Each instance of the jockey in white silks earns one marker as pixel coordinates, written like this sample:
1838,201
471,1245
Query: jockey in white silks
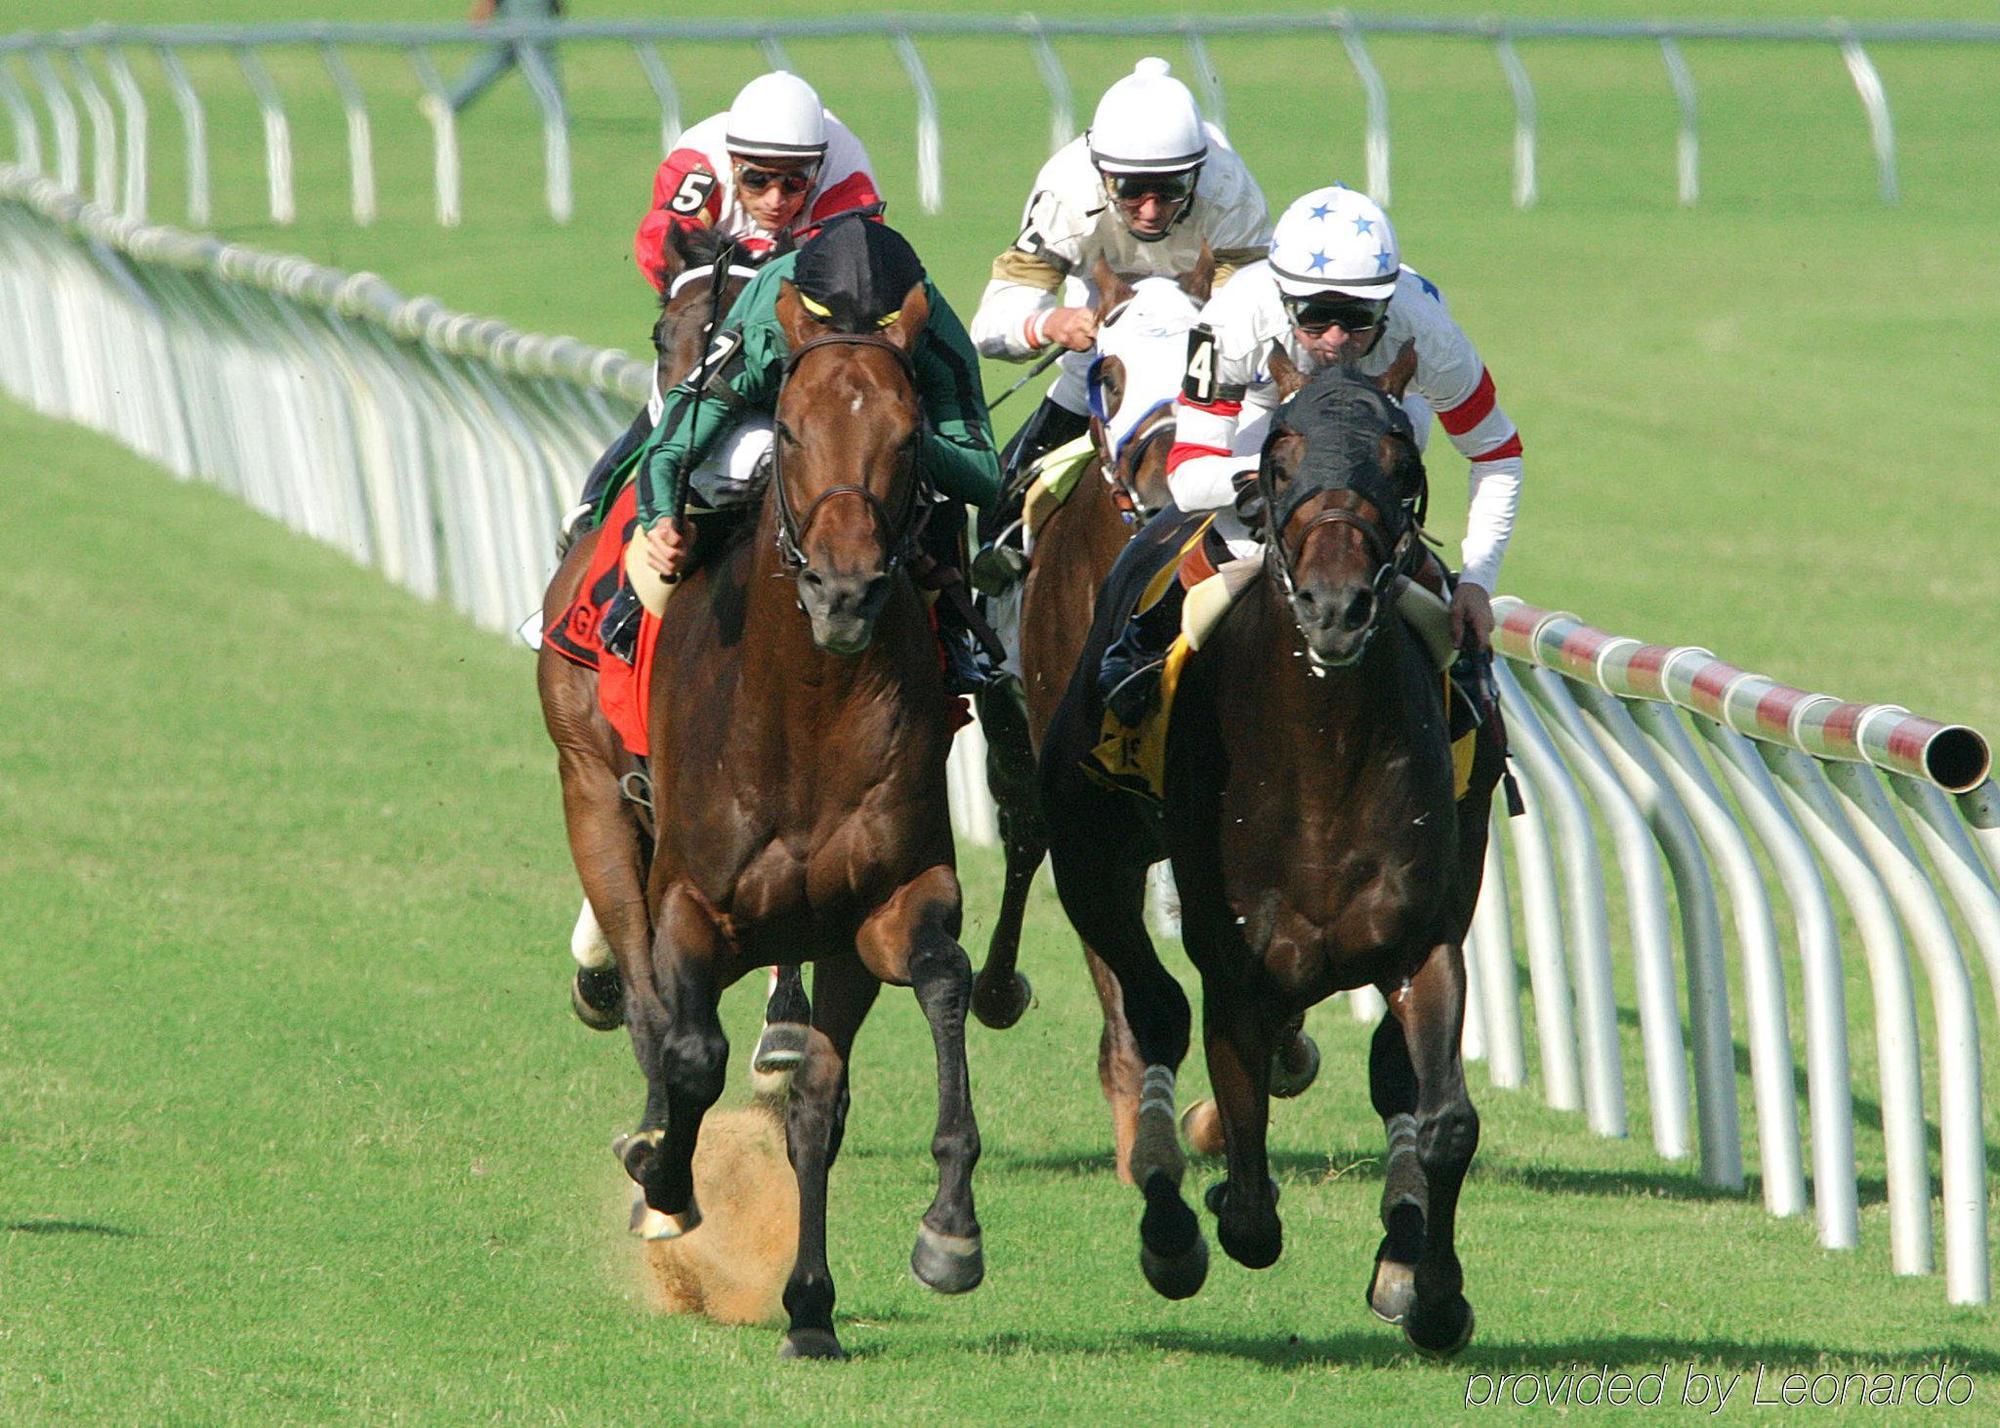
1147,188
1334,289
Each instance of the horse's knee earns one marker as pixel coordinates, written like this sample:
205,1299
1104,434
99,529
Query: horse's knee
1449,1138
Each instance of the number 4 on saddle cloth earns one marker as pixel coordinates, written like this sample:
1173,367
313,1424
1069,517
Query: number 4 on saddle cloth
1170,589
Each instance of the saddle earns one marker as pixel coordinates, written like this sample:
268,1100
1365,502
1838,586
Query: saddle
623,690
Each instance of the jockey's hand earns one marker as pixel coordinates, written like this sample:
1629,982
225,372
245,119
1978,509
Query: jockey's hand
1471,613
669,544
1072,327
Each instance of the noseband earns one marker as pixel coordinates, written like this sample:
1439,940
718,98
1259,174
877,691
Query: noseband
900,530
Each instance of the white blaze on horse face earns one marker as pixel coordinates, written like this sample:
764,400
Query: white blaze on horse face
854,406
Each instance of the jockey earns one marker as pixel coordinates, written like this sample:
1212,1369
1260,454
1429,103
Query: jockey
1333,290
773,168
1146,188
857,272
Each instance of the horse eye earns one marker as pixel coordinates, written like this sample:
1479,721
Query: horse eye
785,434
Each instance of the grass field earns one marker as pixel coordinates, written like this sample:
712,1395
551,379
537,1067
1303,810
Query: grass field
296,1126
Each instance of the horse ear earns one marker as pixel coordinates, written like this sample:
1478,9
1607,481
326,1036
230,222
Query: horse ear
1285,372
1199,281
674,251
1111,382
1396,380
1111,289
798,325
910,319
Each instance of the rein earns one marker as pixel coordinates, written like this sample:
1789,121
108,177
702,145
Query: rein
900,531
688,275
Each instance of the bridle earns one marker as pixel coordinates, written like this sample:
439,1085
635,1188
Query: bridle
901,528
1129,454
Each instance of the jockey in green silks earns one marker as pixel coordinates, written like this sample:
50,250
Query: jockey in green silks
852,276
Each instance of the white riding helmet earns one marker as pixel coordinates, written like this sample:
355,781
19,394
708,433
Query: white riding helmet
1147,123
777,116
1335,240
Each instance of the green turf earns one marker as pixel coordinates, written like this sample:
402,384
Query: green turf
295,1124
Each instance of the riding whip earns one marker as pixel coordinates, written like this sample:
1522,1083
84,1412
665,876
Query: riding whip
1033,372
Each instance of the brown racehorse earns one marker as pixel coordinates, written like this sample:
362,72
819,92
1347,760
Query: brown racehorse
1313,832
799,731
607,840
1074,550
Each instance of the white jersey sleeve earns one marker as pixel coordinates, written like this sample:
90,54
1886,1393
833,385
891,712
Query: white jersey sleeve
1227,395
1027,278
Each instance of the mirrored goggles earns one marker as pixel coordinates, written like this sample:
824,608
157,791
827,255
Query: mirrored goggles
1135,188
1314,315
789,181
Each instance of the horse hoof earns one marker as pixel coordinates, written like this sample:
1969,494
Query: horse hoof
1253,1247
811,1344
782,1047
633,1149
1201,1128
1294,1067
1172,1253
949,1264
1440,1335
598,998
1002,1008
1176,1276
1392,1289
651,1224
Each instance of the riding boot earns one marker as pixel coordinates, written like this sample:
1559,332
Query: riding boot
1002,560
968,670
597,485
619,631
1128,678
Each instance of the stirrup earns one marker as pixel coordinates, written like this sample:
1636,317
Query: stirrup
1135,696
573,525
999,567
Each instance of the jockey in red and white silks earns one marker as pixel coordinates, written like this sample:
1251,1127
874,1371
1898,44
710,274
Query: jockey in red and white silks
777,162
1335,289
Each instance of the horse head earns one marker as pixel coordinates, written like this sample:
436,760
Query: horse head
704,273
1342,486
1142,355
846,479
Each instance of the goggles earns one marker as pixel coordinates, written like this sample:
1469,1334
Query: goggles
1315,314
1135,188
791,182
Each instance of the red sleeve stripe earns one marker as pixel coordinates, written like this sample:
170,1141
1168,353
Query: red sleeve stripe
1510,447
1188,451
1469,413
857,190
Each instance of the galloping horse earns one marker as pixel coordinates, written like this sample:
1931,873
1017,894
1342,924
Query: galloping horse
607,841
1313,832
1142,336
799,731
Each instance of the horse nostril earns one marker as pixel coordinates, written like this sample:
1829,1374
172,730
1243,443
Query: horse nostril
1360,610
812,577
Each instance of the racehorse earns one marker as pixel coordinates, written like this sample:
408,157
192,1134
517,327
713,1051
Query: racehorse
799,728
609,841
1311,823
1142,341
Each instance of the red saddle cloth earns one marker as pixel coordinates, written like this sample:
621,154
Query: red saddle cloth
624,690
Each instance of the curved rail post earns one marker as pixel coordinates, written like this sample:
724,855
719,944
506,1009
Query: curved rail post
444,132
664,90
1688,149
1472,1026
1646,908
1541,915
1874,99
27,133
277,135
1967,1277
1955,857
1378,104
1506,1059
103,131
1062,112
194,126
1813,803
133,102
62,113
555,129
1587,922
1214,103
1781,1162
774,52
930,145
1523,91
1659,803
360,152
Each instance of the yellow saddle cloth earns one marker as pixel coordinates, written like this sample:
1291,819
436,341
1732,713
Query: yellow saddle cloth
1056,472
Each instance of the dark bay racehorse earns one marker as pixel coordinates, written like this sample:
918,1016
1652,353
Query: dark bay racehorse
1313,833
799,731
1074,550
608,842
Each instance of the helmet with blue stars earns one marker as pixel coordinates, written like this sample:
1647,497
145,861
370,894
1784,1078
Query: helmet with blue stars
1335,240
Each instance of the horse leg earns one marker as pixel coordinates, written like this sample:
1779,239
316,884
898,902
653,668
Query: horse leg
1245,1203
913,938
782,1044
815,1123
605,846
1000,993
1119,1069
1447,1133
1392,1085
684,1054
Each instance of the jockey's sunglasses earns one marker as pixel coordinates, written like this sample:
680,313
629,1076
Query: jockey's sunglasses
1135,188
789,181
1314,315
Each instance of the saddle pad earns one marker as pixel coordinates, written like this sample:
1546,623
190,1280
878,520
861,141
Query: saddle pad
1056,473
623,690
1135,758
